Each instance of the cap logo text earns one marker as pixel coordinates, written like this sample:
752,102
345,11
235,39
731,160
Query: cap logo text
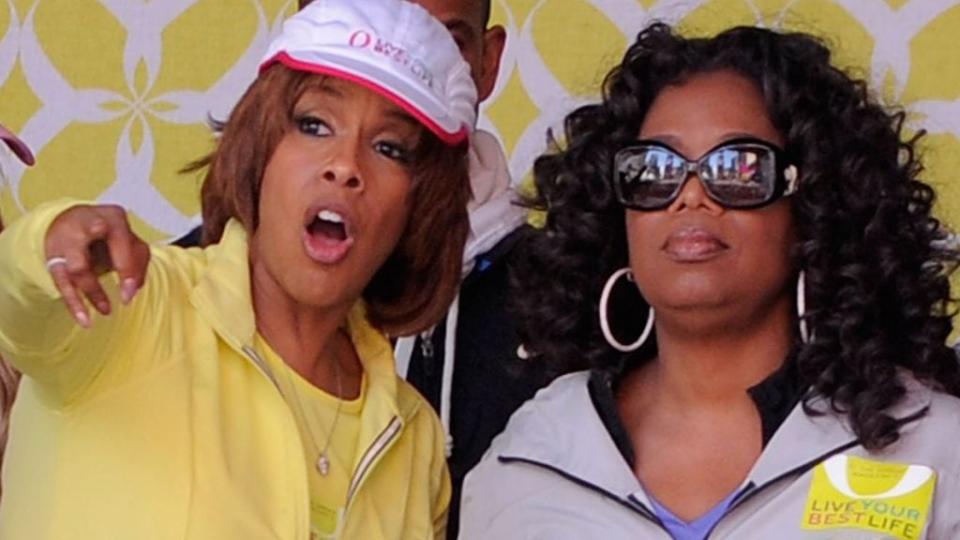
362,39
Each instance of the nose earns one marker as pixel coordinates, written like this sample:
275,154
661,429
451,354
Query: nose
343,165
693,196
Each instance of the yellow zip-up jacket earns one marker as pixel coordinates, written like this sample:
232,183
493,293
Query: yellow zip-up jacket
160,423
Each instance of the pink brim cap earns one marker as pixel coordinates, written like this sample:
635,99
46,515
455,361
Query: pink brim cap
393,48
450,138
18,147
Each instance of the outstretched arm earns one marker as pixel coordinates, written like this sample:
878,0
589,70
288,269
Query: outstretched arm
53,263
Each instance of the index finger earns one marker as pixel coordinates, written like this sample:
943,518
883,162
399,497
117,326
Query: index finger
71,298
128,254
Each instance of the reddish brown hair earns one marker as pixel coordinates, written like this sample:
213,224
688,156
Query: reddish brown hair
414,287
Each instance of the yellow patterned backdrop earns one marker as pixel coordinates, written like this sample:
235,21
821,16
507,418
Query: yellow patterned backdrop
114,94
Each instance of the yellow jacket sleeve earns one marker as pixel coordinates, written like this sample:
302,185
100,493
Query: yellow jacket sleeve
37,333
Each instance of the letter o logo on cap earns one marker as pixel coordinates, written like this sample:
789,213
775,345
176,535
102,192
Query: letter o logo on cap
360,39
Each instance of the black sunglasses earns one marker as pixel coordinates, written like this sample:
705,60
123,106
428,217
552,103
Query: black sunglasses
741,173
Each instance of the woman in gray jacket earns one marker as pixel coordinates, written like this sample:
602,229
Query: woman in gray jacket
740,258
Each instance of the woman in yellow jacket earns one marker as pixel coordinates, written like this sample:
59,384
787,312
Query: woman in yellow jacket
246,390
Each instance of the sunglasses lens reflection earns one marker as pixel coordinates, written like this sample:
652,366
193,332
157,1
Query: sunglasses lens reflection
650,177
739,176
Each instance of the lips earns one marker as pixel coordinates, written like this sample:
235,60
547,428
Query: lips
693,244
328,233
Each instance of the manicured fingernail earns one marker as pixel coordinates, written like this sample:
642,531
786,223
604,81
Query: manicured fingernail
82,318
127,290
103,307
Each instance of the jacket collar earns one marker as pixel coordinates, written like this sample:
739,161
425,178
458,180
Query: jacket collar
804,439
222,294
223,297
561,430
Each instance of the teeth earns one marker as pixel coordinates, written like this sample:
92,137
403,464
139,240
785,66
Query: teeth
330,215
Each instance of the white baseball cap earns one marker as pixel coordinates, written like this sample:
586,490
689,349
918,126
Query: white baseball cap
18,147
393,47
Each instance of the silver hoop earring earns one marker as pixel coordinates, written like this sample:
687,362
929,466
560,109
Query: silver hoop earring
605,324
802,308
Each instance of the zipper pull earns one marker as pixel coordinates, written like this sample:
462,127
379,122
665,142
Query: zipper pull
426,344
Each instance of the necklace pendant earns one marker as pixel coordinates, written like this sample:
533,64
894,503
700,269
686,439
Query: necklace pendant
323,464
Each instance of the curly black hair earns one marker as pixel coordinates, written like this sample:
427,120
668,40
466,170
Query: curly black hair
877,263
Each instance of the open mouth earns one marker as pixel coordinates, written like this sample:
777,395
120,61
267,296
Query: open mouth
327,236
328,224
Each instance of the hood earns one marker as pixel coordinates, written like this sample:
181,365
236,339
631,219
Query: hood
493,214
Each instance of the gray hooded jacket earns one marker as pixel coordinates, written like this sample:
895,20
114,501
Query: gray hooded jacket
555,473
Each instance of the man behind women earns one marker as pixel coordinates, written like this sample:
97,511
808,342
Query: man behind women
467,365
790,378
246,390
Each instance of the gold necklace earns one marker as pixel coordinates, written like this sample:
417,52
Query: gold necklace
322,463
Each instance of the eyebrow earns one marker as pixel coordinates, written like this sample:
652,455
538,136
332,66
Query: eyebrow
395,113
676,143
329,89
402,116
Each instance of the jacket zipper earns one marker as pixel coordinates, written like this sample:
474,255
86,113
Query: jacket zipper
265,371
252,355
370,457
631,502
750,493
750,490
